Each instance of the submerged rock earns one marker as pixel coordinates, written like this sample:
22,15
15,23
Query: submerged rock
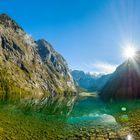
94,119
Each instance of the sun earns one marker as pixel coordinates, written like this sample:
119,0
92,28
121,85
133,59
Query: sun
129,52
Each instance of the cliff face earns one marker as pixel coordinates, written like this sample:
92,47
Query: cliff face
56,63
27,72
124,82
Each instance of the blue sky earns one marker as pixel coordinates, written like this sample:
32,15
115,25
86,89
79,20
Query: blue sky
90,34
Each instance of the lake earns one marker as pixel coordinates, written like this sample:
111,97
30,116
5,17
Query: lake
85,117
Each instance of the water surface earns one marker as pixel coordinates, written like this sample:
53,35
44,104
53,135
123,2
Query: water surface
85,117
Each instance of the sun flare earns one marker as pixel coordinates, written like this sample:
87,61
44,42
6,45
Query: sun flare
129,52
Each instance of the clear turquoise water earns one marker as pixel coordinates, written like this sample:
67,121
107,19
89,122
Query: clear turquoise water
70,118
99,112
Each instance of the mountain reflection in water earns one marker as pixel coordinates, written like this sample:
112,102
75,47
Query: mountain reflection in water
85,117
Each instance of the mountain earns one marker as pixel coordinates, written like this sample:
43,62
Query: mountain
28,68
89,82
53,60
83,80
124,82
100,82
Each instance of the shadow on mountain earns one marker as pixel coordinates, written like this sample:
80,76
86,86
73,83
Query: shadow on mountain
124,82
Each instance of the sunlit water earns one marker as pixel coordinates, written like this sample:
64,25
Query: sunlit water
91,109
118,120
72,118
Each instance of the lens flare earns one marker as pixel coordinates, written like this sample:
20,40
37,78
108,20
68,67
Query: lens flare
129,52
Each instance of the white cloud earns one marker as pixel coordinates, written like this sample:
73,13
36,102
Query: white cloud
101,67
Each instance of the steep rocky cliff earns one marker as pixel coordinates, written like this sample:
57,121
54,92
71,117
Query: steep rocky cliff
27,72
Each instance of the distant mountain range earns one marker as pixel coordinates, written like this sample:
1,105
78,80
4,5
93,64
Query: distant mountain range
28,68
124,83
89,82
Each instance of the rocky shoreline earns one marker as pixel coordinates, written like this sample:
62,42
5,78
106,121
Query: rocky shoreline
17,126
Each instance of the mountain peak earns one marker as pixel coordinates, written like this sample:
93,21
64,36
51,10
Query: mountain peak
26,71
6,21
124,82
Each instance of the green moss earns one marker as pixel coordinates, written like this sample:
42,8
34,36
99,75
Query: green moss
9,90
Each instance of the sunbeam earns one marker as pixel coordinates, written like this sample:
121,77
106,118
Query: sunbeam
129,52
